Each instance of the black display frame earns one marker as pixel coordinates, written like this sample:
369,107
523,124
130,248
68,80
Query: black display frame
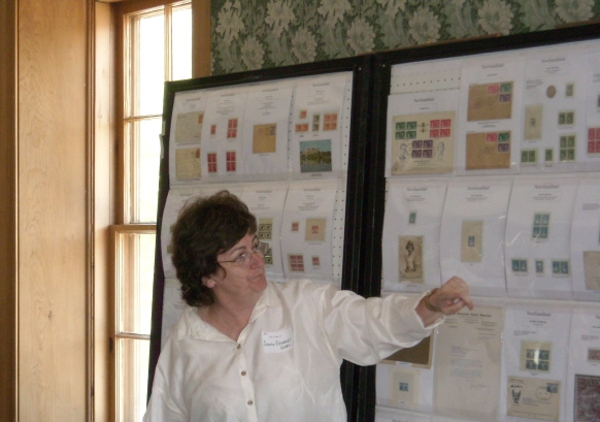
365,188
376,179
358,157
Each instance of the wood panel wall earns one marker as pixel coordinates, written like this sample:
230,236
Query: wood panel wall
201,31
53,217
52,210
8,257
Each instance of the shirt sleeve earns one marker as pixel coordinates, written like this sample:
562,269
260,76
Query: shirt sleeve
365,331
161,406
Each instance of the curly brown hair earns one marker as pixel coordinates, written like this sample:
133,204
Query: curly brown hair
205,228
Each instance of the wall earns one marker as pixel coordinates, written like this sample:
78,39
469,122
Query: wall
249,35
44,216
8,258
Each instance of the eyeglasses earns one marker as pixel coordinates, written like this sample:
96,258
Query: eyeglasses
261,249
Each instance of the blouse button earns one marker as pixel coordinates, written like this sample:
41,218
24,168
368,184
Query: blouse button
250,402
243,373
239,346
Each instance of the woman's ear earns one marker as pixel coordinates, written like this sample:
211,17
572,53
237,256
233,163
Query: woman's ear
208,282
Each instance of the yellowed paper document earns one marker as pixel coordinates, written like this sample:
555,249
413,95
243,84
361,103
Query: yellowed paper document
423,143
533,122
187,163
264,139
315,229
490,101
591,268
467,362
488,150
533,398
471,241
189,127
410,258
404,387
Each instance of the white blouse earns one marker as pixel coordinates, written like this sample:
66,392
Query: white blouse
285,364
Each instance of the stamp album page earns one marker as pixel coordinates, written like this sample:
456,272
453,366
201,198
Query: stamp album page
592,141
319,125
534,361
265,130
306,230
537,238
421,133
585,240
489,122
554,110
221,143
186,132
410,239
583,378
467,373
403,384
472,234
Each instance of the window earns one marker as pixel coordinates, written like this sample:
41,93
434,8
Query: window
156,47
134,248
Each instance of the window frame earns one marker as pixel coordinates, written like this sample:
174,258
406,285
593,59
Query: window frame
124,174
118,336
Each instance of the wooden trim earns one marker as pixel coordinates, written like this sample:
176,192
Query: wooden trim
125,7
90,210
118,71
104,171
133,336
8,214
133,228
201,41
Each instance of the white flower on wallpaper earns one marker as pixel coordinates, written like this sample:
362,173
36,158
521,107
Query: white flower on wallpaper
574,10
390,18
391,7
424,26
536,15
333,11
361,36
279,16
495,17
230,21
304,46
252,54
459,19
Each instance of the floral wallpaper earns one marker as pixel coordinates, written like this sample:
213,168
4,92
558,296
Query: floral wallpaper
258,34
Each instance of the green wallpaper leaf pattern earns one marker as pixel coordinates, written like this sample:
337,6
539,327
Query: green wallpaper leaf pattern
258,34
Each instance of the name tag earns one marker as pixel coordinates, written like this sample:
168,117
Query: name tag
277,341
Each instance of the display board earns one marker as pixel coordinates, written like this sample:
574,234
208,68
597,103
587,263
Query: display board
487,167
392,172
291,143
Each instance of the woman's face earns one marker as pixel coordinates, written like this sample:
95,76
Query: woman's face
242,280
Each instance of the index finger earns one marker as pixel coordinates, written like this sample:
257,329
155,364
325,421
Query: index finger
466,298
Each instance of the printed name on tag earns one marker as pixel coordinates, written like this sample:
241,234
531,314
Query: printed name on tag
278,341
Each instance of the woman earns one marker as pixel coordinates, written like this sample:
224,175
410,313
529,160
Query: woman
251,350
